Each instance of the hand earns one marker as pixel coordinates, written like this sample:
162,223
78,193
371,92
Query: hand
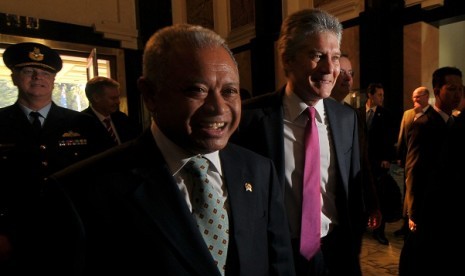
385,164
412,225
374,219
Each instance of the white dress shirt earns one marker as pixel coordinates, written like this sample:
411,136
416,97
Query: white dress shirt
295,121
177,158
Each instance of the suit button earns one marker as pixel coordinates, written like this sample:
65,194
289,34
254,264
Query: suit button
44,163
43,147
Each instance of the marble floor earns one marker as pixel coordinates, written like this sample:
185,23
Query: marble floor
379,260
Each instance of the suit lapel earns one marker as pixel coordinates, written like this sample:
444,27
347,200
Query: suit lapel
272,123
160,198
337,127
241,201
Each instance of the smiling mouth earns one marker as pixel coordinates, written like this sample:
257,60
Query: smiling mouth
214,126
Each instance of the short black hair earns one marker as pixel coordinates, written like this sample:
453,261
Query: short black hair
439,76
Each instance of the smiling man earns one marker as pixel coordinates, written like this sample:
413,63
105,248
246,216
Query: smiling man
137,205
37,138
274,125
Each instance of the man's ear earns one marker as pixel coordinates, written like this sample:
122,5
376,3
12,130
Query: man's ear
285,60
148,89
14,78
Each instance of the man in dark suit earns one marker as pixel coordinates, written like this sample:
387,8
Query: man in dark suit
104,99
425,192
273,125
135,207
380,146
340,91
37,138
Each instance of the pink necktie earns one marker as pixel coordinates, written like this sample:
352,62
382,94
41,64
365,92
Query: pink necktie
311,206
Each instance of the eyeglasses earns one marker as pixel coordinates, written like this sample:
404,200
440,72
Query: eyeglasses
29,72
349,72
418,96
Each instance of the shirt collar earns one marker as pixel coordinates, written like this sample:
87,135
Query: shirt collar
176,157
43,111
99,115
372,108
295,107
443,115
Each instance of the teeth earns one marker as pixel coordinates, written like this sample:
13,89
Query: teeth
216,125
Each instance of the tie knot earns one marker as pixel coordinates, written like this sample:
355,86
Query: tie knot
198,166
450,121
311,112
35,114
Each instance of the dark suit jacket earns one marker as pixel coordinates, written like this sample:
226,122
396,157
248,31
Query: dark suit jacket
126,128
370,196
133,220
446,190
261,130
380,138
427,135
434,177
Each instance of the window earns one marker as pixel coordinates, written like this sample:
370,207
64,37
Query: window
70,82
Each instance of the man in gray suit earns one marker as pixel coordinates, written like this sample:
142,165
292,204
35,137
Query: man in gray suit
273,125
134,209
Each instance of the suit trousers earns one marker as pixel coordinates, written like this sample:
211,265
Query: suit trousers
336,257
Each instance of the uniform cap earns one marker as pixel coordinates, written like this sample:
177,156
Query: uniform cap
32,54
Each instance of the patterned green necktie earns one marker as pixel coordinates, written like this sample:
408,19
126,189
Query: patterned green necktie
208,209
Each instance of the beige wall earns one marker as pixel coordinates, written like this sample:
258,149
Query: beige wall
115,19
421,58
452,45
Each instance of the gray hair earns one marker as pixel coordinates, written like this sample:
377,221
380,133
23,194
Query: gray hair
297,27
156,58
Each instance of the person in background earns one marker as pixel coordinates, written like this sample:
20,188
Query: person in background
340,91
344,81
380,145
136,203
274,125
104,99
37,138
446,190
460,108
426,192
420,98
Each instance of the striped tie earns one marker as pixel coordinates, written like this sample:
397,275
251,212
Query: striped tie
107,122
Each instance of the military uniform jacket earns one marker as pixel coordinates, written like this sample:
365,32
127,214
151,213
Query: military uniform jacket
67,136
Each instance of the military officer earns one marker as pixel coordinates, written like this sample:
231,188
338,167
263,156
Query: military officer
37,138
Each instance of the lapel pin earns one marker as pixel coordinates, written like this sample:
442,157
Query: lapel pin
248,187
